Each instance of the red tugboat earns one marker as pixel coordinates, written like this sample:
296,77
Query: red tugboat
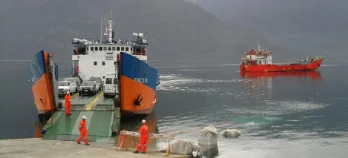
261,61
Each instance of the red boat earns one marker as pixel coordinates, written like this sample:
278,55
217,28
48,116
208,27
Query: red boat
261,61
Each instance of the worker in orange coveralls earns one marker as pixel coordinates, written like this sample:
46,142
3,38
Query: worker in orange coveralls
67,99
83,131
144,136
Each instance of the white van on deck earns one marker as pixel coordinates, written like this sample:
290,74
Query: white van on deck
110,84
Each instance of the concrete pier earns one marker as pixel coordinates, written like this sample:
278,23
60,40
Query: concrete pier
36,147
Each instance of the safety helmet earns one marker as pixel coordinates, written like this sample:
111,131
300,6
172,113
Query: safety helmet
84,117
143,121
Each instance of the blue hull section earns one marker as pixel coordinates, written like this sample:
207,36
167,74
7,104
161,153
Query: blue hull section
37,67
138,70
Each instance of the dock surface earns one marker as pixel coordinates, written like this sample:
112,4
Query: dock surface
36,147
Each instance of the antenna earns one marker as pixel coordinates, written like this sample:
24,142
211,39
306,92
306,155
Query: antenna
101,29
101,26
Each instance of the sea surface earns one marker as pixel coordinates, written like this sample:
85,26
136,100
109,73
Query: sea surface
280,115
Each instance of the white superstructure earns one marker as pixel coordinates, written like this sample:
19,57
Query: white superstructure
96,58
259,57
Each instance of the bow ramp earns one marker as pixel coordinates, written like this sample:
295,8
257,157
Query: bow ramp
102,119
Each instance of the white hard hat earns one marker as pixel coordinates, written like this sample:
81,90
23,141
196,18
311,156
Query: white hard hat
67,92
143,121
84,117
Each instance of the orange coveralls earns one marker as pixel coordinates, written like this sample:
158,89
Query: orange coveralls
67,99
144,136
83,132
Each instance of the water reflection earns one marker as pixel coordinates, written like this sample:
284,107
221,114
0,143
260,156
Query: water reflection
261,83
315,75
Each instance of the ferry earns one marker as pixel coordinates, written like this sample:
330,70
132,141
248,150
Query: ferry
260,60
122,67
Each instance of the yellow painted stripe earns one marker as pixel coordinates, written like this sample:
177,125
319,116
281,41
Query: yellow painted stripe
89,106
74,95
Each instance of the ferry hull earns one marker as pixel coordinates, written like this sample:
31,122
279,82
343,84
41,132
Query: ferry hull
137,86
282,68
42,88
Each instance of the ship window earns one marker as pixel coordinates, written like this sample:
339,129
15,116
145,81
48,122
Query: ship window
104,48
109,48
122,48
96,48
103,63
92,48
95,63
118,48
131,49
115,81
115,63
113,49
87,48
100,48
127,49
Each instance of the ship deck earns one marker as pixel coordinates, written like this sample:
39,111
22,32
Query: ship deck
101,115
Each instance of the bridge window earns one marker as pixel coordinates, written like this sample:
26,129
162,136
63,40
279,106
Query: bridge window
109,48
113,49
96,48
127,49
100,48
92,48
118,48
104,48
95,63
122,48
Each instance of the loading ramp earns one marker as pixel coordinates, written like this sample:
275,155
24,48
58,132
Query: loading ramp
102,119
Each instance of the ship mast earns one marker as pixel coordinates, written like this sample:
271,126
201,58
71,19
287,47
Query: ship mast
110,32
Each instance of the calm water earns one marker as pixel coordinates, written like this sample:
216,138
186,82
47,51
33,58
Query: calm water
297,115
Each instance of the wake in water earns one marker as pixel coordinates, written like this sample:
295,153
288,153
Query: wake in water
175,82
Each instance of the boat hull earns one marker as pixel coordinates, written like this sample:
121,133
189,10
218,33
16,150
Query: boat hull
315,64
42,82
137,86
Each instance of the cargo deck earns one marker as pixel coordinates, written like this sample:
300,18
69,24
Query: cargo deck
102,119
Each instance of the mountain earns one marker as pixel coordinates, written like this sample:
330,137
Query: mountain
316,27
177,31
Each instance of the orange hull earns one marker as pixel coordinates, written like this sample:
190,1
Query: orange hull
130,91
281,68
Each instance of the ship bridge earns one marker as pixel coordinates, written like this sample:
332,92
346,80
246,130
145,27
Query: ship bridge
95,58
